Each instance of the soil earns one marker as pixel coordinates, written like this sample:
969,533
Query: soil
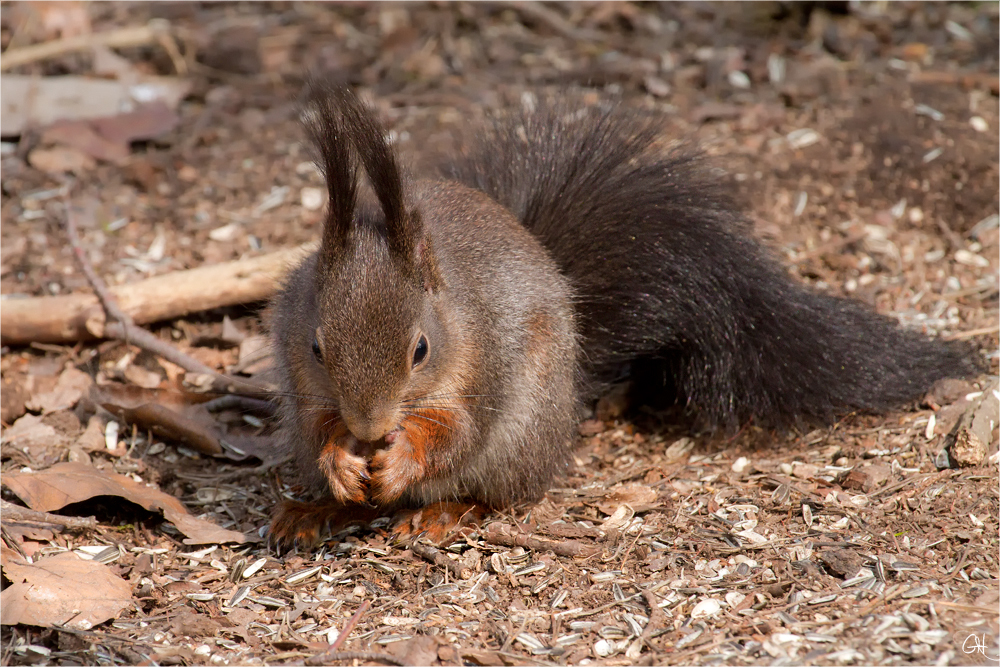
860,137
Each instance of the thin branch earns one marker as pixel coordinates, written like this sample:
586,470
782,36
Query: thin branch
155,31
334,653
125,329
438,558
16,513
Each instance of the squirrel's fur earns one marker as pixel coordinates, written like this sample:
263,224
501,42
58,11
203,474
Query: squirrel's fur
668,278
437,345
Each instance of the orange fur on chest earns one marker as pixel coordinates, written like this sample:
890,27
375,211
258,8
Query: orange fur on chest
428,430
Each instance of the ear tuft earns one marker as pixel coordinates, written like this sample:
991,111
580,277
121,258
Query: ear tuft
347,132
325,124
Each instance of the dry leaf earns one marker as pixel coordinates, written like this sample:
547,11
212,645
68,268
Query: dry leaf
146,122
92,439
637,496
47,20
619,520
62,589
29,432
70,387
165,413
13,395
60,160
30,101
66,483
81,135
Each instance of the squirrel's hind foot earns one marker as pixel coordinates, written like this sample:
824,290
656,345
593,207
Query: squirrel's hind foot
438,522
302,525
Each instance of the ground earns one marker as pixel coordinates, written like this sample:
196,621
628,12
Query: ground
861,138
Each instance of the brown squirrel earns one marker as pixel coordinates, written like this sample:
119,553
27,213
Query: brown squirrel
436,348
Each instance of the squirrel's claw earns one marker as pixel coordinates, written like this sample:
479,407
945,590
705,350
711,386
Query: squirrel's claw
346,474
436,522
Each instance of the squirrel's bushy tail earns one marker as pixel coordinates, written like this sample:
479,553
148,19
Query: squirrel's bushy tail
670,281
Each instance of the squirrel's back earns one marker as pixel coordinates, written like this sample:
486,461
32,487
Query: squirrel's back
670,284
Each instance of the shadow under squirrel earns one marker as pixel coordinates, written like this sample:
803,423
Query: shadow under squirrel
436,348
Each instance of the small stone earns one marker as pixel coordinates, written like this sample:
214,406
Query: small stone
968,449
224,233
656,86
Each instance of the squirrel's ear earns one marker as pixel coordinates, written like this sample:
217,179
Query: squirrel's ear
325,123
403,228
423,258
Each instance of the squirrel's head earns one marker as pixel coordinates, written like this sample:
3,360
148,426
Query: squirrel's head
381,335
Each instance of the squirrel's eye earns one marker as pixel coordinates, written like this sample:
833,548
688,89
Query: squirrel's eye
420,351
317,352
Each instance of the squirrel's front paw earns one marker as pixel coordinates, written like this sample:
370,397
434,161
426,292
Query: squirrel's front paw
346,473
395,469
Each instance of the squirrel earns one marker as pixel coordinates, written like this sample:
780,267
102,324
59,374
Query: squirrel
436,350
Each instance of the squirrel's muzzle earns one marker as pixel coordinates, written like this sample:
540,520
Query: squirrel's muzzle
377,431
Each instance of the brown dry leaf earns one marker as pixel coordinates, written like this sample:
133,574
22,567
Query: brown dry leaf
255,355
29,432
13,395
142,377
92,439
146,122
867,478
70,387
81,135
619,519
66,483
62,589
165,413
60,160
637,496
421,650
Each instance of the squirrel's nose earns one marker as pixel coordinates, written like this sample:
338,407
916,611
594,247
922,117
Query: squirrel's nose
372,427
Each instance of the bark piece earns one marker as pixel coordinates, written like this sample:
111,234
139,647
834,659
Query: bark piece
973,434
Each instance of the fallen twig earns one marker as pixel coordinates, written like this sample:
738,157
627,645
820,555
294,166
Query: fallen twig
125,329
499,534
536,11
438,558
155,31
12,512
334,652
972,333
75,317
